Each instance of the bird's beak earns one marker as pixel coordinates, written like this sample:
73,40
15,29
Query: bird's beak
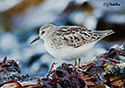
37,38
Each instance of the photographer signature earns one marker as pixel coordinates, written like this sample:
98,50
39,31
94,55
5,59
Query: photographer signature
107,4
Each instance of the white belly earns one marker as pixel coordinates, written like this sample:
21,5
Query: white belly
70,53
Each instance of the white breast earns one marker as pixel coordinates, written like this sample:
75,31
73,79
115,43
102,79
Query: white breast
69,53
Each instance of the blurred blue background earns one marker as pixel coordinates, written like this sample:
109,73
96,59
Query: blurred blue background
20,21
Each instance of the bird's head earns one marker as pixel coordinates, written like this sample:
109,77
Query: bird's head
43,31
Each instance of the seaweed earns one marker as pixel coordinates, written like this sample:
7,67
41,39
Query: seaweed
106,69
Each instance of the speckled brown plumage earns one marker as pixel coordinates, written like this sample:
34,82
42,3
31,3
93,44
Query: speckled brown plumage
77,36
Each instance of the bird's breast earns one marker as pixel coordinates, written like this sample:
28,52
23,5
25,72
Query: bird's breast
68,52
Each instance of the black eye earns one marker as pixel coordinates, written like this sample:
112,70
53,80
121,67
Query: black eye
42,32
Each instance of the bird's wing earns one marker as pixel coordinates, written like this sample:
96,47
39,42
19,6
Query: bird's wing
77,36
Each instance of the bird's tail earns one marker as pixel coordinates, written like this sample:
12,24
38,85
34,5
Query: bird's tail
104,33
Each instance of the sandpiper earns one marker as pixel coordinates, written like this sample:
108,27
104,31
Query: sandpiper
69,42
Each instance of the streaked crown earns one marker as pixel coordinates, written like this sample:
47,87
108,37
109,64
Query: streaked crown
46,26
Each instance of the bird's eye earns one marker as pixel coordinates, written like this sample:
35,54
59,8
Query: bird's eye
42,32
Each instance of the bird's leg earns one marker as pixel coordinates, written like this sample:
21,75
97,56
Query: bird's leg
79,62
75,63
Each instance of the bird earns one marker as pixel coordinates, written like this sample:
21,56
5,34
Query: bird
69,42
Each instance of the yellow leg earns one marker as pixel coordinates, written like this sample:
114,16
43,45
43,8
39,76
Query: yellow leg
75,63
79,62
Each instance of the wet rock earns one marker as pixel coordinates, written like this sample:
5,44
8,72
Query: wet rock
114,22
